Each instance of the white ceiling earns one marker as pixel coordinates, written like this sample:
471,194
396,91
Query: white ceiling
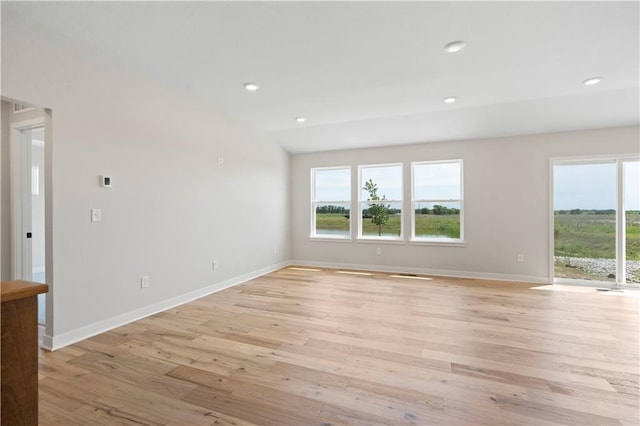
373,74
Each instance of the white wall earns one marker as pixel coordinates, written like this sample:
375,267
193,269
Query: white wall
172,208
5,194
506,187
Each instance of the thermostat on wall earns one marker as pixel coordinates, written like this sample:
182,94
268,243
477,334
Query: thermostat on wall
106,181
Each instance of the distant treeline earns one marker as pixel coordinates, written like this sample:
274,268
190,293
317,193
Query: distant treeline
581,211
437,210
332,209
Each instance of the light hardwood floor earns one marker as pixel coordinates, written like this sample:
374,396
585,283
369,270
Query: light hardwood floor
298,347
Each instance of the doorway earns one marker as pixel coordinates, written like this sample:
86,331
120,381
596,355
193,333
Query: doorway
26,154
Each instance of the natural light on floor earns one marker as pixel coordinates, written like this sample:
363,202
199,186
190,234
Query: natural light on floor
632,292
354,273
411,277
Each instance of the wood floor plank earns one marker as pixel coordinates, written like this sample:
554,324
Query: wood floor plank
317,347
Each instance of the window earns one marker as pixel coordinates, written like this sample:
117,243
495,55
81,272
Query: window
331,202
437,201
380,201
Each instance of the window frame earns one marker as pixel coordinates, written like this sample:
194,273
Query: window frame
364,238
437,241
314,202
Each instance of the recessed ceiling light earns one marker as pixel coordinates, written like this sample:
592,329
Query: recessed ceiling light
593,80
301,119
252,87
454,46
450,100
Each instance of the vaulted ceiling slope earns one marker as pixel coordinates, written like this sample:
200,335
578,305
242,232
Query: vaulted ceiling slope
375,73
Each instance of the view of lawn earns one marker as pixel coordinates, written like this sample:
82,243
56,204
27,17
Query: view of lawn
427,225
585,241
440,226
585,235
594,235
332,223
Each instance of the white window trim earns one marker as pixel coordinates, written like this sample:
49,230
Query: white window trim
25,108
328,237
460,242
372,238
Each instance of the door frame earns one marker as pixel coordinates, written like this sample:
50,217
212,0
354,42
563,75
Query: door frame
44,119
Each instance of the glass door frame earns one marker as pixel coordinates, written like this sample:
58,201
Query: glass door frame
620,248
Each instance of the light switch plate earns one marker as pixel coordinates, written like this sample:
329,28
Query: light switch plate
96,215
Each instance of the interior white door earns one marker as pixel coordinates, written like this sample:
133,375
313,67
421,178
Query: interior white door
30,202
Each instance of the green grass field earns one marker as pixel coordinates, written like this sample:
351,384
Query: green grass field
594,235
447,226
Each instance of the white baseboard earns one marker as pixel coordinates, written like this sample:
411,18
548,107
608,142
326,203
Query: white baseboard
425,271
52,343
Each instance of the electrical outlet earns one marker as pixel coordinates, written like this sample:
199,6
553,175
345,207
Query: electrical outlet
275,250
214,264
520,257
379,250
144,282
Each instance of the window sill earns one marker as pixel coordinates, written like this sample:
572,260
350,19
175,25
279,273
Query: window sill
442,243
400,241
331,239
373,240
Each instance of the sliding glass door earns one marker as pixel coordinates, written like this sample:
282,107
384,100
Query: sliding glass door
596,221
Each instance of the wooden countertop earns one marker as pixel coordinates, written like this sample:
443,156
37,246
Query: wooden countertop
18,289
